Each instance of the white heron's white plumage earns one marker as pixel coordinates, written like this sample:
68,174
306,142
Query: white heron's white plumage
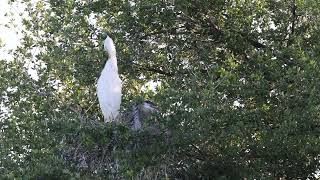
109,84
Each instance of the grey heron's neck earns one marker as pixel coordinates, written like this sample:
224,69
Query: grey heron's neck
136,118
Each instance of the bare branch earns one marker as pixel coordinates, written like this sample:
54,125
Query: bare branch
293,22
152,69
294,16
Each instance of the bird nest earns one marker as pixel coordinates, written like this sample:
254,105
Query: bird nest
109,148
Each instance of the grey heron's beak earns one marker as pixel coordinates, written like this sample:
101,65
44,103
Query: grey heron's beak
156,109
152,106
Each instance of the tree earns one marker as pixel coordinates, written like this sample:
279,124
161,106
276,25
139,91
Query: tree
238,89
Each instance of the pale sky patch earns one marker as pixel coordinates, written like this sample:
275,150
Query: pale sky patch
10,35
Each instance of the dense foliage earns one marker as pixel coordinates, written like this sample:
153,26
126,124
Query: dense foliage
237,87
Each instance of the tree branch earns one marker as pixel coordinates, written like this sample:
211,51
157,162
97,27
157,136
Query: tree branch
294,16
252,42
216,30
293,21
171,31
152,69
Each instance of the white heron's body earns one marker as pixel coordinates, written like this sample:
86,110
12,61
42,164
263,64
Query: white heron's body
109,84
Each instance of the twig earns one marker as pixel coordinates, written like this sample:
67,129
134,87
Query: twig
293,22
90,106
152,69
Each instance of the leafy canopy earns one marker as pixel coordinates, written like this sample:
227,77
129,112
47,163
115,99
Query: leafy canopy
237,79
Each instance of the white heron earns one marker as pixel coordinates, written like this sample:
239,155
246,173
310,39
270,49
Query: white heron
109,84
109,93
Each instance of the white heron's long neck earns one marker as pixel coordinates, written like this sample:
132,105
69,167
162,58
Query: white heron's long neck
110,48
112,55
113,63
